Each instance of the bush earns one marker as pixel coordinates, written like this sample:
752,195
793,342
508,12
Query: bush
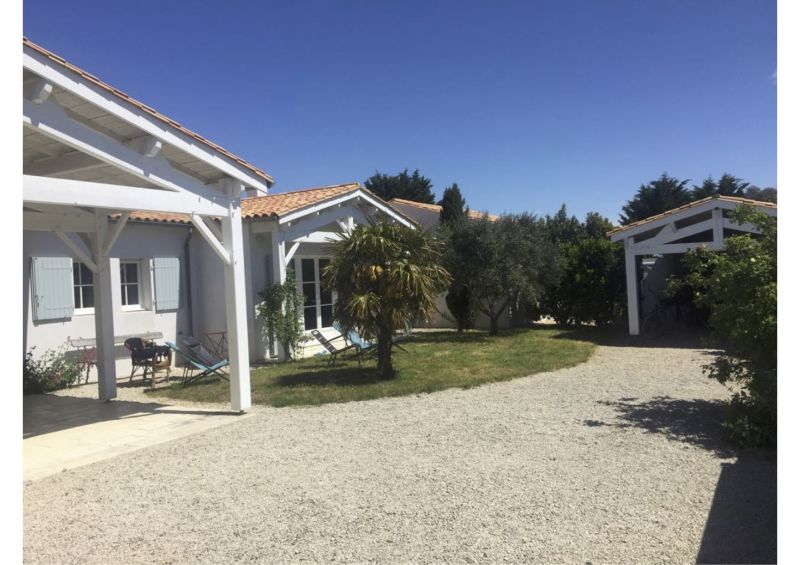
740,289
52,371
281,309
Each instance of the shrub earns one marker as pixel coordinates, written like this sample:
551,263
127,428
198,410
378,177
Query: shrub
280,308
52,371
740,289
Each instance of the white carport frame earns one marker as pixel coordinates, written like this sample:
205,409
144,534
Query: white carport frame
66,206
661,234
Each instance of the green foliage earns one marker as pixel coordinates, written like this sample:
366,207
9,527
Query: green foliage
591,288
505,263
454,207
402,185
386,276
54,370
728,185
281,309
658,196
739,287
768,194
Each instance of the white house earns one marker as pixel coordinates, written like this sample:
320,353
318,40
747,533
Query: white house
703,223
102,176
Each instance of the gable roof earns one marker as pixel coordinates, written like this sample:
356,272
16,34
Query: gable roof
277,206
60,61
696,204
471,214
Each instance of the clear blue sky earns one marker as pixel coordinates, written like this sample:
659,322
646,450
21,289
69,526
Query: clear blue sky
525,104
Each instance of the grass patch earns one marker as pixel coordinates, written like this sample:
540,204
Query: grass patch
434,361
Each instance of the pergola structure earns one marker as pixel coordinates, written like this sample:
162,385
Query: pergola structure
703,223
91,151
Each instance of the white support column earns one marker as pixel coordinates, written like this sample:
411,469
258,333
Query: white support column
104,310
716,218
236,307
631,278
278,276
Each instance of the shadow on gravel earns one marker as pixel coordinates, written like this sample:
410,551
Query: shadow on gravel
742,524
697,422
692,338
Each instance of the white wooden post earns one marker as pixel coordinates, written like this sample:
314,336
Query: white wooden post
104,310
716,217
236,307
278,276
633,287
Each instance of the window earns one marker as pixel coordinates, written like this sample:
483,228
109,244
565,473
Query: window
129,281
318,305
83,289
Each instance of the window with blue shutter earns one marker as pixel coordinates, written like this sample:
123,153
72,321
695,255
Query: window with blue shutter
167,279
52,288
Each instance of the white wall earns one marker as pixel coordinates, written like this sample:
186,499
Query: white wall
137,242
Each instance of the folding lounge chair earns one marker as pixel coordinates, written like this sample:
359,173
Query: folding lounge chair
332,349
363,345
200,358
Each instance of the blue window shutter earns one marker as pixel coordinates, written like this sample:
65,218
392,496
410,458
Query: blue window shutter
167,275
52,288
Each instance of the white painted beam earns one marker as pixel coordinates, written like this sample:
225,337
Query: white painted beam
211,239
76,249
70,163
104,312
147,146
52,120
292,251
127,112
36,221
212,225
729,224
236,308
38,91
115,233
66,192
279,277
632,284
716,221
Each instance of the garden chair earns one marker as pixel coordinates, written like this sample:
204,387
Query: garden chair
148,356
332,349
200,358
363,345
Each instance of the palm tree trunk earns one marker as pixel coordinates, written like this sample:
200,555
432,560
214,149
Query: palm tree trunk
493,325
385,353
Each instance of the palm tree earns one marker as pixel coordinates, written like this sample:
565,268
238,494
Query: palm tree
386,276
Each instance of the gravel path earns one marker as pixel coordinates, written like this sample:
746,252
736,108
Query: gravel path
616,460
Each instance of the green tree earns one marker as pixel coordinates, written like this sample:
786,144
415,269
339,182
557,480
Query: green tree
739,287
402,185
656,197
459,297
767,194
506,263
454,207
727,185
386,276
592,284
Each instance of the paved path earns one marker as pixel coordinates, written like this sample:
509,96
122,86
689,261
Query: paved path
616,460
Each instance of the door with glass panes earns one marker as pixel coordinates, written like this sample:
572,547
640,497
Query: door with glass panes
318,303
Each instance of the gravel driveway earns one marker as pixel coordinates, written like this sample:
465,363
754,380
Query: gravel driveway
616,460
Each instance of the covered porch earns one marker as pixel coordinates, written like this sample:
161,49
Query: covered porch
703,223
93,159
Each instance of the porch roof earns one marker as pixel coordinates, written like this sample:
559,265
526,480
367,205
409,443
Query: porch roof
696,206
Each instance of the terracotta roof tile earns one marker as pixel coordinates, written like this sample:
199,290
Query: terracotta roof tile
277,205
735,199
472,214
147,109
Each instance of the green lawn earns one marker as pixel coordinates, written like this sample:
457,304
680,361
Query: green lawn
434,361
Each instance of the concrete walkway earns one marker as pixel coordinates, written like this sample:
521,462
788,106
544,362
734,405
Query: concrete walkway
62,431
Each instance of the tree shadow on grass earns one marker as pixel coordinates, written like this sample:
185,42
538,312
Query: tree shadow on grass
445,337
697,422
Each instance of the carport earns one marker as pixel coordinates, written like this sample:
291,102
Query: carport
703,223
92,152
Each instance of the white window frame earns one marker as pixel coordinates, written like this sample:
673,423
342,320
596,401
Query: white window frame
81,311
140,287
298,270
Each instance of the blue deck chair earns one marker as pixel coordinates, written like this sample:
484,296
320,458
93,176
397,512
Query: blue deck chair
200,358
364,346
